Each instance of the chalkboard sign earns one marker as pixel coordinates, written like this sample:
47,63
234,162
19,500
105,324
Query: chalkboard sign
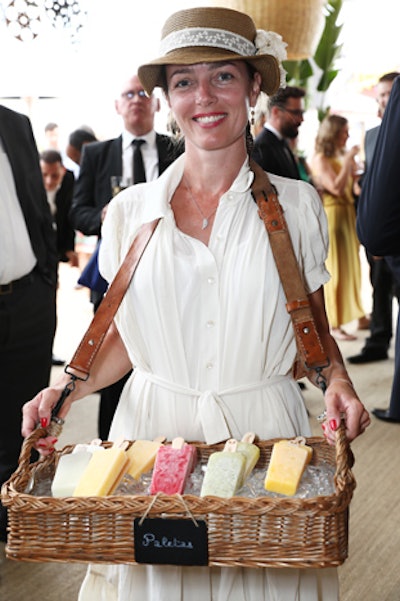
171,541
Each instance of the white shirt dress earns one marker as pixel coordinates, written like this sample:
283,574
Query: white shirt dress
212,344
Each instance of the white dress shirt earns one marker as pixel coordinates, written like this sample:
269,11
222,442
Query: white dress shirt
16,254
149,153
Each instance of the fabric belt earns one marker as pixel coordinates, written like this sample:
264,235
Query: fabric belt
213,411
11,287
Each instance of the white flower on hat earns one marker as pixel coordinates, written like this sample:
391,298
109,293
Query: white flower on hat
269,42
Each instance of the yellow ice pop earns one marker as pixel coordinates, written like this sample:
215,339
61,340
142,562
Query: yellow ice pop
103,473
288,461
250,451
142,455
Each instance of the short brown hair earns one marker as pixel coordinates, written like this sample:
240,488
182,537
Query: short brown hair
283,94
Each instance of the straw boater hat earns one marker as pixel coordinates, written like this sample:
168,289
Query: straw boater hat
208,35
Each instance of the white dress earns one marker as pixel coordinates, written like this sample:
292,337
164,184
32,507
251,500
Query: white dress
212,342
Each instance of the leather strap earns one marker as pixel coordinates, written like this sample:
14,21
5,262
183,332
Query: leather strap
91,342
309,344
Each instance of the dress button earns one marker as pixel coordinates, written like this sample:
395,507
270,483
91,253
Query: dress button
210,324
209,366
210,280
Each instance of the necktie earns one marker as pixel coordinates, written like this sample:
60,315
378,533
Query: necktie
139,174
292,164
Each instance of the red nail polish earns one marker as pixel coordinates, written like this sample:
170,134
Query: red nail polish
323,426
333,425
53,440
43,422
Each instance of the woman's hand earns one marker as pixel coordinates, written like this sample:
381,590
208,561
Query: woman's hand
342,402
37,412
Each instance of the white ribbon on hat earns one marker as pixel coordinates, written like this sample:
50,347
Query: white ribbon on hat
203,36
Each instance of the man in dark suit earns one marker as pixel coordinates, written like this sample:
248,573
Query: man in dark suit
383,284
285,115
93,190
378,218
59,186
101,160
28,280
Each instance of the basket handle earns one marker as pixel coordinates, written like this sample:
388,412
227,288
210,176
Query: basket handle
344,478
26,449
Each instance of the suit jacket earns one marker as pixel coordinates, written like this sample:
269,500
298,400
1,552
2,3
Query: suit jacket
378,215
274,155
20,146
101,160
65,231
371,137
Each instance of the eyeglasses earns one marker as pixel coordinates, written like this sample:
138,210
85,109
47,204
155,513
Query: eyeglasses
294,112
131,94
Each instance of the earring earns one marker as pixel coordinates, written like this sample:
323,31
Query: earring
252,113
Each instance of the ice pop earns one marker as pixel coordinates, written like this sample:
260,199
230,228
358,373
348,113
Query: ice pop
288,461
225,470
70,468
250,451
172,467
103,472
142,455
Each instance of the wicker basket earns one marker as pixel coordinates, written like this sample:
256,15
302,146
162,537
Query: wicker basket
258,532
299,22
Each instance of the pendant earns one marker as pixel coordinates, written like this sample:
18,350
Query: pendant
205,223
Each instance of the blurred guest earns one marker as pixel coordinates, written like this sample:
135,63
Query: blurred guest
28,278
76,140
384,286
52,135
334,170
285,115
379,219
59,185
259,115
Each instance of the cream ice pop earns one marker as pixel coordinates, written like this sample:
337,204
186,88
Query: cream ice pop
142,455
172,467
103,472
250,451
224,473
70,468
288,461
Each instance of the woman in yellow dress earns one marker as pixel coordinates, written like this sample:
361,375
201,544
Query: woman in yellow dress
334,171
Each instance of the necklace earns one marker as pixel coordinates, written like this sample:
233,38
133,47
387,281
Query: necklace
206,220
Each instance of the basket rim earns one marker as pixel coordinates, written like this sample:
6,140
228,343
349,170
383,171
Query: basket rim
15,500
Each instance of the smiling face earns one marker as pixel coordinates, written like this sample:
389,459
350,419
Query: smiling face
210,101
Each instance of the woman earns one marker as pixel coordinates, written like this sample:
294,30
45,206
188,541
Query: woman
204,320
334,170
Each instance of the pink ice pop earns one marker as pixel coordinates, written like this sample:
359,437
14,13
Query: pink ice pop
172,467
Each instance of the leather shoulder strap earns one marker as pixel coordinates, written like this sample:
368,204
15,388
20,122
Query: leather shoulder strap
90,344
297,302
